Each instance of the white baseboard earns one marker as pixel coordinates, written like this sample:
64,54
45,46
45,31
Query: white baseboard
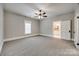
46,35
53,36
20,37
49,35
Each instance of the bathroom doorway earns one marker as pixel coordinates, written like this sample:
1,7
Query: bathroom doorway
63,29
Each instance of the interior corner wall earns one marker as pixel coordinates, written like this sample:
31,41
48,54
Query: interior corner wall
14,25
46,24
46,27
1,26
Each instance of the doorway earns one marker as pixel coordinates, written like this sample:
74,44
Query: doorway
57,29
63,29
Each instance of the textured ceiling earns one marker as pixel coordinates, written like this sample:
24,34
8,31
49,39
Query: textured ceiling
28,9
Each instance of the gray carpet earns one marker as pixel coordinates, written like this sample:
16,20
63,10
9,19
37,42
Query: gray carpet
39,46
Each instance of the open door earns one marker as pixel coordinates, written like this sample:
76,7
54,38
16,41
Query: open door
62,29
57,29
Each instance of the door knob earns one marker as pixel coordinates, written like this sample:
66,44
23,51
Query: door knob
69,31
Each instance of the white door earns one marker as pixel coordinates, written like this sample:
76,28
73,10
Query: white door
65,28
76,34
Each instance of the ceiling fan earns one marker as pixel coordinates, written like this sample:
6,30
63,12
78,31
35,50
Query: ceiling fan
40,14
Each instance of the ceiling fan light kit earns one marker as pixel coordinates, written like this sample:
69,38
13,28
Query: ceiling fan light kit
41,14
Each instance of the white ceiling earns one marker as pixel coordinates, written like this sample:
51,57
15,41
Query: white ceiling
28,9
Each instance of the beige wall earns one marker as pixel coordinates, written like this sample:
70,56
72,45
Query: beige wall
14,25
1,26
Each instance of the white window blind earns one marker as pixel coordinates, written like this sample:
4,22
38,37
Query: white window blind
27,27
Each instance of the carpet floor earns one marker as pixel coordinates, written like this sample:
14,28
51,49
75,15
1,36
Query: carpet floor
39,46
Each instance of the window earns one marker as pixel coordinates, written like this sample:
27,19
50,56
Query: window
27,27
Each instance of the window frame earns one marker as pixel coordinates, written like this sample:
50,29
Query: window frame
25,31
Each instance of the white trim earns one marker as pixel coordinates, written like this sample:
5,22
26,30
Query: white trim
46,35
49,36
20,37
53,36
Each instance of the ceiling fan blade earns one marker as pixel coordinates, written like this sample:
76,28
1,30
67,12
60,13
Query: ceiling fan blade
44,13
40,10
45,16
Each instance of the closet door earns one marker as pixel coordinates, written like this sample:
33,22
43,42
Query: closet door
65,30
